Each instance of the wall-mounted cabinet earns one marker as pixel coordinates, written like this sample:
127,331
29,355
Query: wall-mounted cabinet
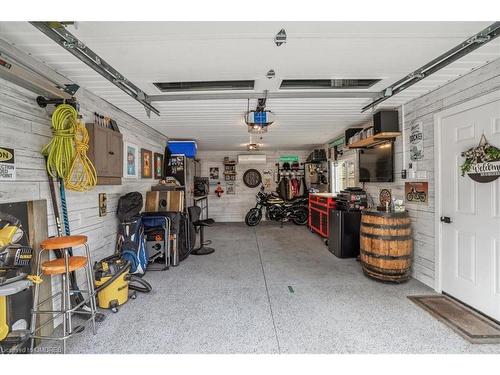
106,152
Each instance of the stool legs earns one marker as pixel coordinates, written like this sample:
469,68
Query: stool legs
90,287
67,309
202,250
63,308
35,301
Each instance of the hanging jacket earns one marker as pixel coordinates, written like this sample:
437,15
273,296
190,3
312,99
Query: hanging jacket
283,188
295,186
289,190
302,184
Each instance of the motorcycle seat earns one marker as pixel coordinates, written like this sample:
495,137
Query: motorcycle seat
299,200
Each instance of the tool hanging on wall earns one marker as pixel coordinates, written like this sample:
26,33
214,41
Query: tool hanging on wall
60,152
67,151
82,174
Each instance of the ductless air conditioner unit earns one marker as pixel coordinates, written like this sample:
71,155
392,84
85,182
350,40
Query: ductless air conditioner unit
252,159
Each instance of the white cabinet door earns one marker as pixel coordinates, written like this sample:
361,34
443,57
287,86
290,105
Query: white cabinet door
470,259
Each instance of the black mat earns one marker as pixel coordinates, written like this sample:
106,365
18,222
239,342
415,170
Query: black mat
469,324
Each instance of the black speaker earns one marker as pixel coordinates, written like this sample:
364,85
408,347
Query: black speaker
385,121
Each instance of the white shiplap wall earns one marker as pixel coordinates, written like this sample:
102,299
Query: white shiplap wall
233,208
478,82
27,128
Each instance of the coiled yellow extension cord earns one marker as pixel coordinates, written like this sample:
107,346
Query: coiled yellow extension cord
67,151
82,174
60,151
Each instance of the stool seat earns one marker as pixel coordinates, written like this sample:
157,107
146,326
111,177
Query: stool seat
55,243
204,223
57,266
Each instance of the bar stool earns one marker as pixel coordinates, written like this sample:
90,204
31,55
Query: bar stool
64,266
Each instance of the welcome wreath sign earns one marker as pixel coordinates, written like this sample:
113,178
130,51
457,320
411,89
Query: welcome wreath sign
482,163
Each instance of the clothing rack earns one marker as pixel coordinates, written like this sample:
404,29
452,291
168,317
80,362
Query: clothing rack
293,173
290,172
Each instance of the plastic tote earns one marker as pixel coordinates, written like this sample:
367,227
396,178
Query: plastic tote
187,148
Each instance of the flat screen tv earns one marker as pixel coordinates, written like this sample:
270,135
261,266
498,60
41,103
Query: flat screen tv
377,164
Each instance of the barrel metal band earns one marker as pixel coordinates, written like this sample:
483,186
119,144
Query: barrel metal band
386,272
386,226
388,257
388,238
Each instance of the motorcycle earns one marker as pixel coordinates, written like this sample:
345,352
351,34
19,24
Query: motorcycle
276,209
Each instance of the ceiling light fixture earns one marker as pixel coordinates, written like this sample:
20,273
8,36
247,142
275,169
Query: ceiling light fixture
280,38
258,121
252,147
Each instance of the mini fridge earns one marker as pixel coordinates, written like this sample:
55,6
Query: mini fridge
343,239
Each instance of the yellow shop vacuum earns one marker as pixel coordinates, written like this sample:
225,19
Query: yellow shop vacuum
113,283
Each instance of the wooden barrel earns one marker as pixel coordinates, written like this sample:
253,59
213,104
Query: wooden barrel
386,245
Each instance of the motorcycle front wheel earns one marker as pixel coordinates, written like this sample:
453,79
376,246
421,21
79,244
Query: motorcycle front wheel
253,217
300,216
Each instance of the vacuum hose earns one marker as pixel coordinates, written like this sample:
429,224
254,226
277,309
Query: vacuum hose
145,288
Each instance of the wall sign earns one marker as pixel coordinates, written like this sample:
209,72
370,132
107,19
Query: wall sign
416,141
417,192
267,179
230,188
482,163
252,178
103,204
7,164
289,158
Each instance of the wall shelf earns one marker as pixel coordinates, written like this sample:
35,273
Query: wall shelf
375,139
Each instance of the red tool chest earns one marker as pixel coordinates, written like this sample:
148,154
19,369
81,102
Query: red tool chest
319,213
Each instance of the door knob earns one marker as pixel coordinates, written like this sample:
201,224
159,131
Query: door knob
446,219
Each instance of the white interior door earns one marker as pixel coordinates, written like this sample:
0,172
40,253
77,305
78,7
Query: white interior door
470,244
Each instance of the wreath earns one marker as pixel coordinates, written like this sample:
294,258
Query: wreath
483,153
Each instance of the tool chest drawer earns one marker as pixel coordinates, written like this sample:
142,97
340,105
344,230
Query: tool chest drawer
319,208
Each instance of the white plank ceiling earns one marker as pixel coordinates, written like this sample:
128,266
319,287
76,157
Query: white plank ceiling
147,52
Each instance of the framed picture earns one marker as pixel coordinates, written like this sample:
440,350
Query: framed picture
158,165
230,188
131,164
214,173
146,163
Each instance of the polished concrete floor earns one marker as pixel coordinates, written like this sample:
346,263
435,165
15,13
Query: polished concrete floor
272,290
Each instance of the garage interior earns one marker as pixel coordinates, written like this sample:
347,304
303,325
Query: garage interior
249,187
